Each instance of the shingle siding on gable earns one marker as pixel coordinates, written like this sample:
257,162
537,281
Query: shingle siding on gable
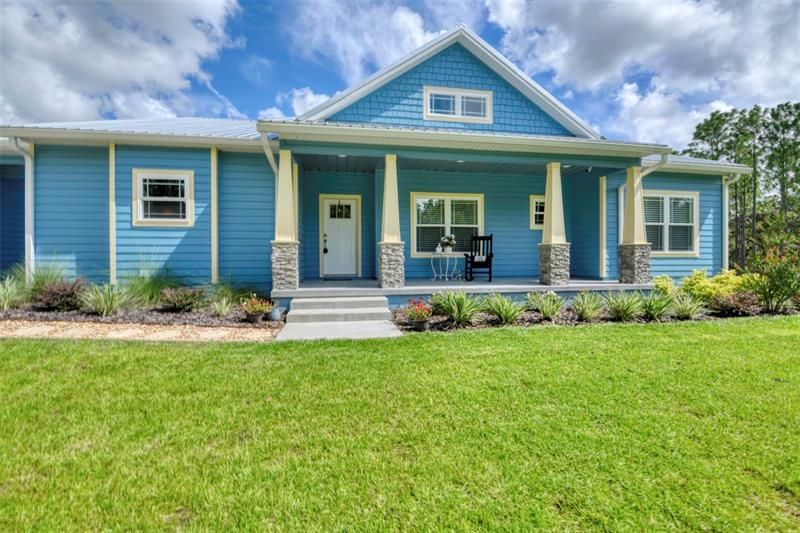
399,103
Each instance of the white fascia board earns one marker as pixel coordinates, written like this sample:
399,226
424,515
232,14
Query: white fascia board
700,168
102,138
466,141
481,49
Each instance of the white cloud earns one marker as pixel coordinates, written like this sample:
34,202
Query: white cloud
82,60
270,112
356,37
256,69
301,100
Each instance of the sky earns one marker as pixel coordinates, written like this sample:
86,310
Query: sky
646,70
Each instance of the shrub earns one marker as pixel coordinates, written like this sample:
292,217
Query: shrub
459,307
225,290
624,306
253,305
588,306
549,304
221,307
664,284
59,295
775,281
703,288
42,275
148,284
417,310
181,299
437,303
687,307
742,303
657,305
106,300
504,309
12,293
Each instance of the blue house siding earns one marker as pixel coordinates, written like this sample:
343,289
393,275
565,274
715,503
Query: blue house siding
186,252
12,215
315,183
710,189
246,219
506,216
584,236
399,102
71,210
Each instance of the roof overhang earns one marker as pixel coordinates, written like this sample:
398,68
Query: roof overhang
483,51
369,135
699,167
101,138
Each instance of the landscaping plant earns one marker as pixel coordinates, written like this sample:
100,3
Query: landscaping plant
549,304
664,284
504,309
687,307
42,275
704,289
12,293
221,307
588,306
776,281
181,299
418,311
741,303
106,299
624,306
460,307
148,284
256,306
60,295
657,305
437,303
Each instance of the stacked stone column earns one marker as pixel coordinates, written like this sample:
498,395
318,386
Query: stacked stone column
392,265
554,263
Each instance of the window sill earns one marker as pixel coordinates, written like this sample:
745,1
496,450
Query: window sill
688,255
163,224
456,118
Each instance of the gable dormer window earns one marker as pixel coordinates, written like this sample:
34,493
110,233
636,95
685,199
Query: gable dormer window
457,105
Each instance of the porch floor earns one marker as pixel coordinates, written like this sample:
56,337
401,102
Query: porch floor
319,288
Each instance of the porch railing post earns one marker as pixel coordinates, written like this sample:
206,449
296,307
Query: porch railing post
392,259
634,250
554,248
285,263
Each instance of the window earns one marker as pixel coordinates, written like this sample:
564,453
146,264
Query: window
461,105
163,198
671,222
435,215
537,212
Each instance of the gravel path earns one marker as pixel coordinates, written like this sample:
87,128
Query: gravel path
142,332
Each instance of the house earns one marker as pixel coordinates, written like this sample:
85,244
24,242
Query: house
452,139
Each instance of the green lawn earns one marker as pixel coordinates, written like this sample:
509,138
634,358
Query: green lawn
689,426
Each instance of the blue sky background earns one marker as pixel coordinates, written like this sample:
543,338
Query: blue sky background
644,70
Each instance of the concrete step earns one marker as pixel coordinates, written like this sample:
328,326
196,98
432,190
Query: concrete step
361,302
338,315
366,329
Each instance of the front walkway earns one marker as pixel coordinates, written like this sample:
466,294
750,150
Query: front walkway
138,332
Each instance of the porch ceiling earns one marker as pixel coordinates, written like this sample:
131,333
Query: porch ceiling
351,163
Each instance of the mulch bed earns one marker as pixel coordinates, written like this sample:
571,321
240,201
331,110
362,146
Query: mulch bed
142,316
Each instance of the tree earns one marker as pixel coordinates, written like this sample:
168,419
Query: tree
782,135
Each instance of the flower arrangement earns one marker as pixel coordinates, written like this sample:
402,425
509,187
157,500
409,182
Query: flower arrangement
448,241
256,306
418,311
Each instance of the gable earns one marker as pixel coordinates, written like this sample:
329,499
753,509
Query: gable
400,101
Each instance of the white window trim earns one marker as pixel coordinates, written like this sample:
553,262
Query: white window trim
443,196
139,174
534,198
666,194
458,93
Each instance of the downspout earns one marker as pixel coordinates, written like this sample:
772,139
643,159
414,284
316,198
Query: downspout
27,154
660,164
268,152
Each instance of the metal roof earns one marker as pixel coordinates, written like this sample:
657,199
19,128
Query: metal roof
184,127
686,163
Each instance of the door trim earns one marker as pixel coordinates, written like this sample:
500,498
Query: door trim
322,198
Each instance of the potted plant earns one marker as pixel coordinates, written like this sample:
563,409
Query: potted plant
254,308
448,242
275,313
420,314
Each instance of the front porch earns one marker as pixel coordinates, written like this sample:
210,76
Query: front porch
546,212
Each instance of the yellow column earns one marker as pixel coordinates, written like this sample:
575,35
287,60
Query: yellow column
390,226
112,214
633,229
284,204
553,232
295,184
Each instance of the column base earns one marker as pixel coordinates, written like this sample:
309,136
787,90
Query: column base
634,263
554,264
392,265
285,265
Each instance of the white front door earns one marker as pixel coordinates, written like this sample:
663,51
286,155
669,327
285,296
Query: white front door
339,236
